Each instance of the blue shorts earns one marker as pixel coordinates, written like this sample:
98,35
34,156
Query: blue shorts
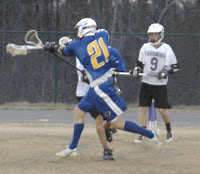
105,100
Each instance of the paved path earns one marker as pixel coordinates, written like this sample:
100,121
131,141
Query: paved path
179,118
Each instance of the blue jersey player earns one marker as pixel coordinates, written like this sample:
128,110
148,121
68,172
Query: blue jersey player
91,48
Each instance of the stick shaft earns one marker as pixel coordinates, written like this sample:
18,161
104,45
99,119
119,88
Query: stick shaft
65,61
32,47
128,74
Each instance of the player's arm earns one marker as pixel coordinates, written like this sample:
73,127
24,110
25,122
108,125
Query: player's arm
172,68
61,48
171,65
138,68
168,69
116,60
120,65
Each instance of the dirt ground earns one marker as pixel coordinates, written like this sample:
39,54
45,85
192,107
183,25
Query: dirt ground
31,148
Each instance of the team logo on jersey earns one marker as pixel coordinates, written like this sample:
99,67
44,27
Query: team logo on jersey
107,114
155,53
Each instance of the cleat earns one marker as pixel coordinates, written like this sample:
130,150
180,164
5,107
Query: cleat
156,141
107,154
140,139
68,152
108,135
170,136
113,131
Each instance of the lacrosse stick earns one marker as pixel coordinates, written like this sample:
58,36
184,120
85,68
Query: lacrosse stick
16,50
32,38
128,74
153,123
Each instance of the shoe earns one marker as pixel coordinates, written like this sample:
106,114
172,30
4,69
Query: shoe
139,139
68,152
170,136
107,154
108,135
156,141
113,131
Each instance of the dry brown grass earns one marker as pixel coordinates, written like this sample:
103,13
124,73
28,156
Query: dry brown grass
31,148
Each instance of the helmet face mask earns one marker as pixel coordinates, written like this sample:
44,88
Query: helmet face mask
154,37
155,29
86,27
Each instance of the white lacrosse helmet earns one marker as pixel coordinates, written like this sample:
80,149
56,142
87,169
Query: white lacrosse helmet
156,28
86,27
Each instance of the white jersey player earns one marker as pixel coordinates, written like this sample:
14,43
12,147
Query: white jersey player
82,87
156,58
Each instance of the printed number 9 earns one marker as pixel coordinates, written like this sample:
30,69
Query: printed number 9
154,63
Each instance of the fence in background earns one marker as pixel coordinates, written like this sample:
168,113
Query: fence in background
41,77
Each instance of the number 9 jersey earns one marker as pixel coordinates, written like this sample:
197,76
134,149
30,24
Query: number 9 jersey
154,60
93,54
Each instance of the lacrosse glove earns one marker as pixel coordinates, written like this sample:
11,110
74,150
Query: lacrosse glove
113,80
135,72
163,74
85,77
51,46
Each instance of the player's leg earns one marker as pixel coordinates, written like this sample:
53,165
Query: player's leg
145,98
95,114
101,131
142,121
71,150
161,102
111,106
134,128
102,136
131,127
108,155
88,106
142,116
109,129
166,119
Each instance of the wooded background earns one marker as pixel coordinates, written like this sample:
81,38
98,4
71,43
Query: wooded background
41,77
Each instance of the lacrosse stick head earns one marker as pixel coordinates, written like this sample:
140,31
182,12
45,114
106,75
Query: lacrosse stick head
15,50
32,38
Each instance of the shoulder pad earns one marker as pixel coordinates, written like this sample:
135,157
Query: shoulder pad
102,31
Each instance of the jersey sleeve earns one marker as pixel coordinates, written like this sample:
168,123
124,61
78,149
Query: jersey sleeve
116,60
141,55
69,50
103,33
170,57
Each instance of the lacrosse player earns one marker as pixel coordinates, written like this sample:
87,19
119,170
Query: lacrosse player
83,87
81,90
155,57
91,48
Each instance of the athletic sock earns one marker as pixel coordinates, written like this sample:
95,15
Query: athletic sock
168,127
78,128
134,128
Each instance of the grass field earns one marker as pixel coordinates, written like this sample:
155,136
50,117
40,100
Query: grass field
31,148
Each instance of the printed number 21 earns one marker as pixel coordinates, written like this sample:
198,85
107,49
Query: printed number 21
94,50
